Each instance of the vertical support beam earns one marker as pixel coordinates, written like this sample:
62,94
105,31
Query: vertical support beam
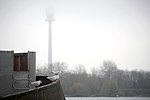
32,65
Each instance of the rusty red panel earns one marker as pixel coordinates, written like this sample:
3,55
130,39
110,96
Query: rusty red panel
21,62
16,63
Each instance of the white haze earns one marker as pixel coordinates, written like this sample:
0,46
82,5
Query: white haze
84,31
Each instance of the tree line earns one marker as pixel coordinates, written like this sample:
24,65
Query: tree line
105,80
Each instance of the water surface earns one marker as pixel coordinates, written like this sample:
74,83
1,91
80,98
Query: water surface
107,98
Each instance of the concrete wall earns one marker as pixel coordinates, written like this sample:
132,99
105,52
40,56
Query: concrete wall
21,80
15,81
6,71
32,65
51,91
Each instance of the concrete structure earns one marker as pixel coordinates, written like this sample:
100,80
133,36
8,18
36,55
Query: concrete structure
17,70
48,91
49,19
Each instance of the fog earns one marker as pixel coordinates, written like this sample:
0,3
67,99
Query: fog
84,31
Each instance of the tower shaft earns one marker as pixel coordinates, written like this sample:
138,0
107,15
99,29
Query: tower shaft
49,19
50,44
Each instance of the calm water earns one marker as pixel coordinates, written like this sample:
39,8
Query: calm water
107,98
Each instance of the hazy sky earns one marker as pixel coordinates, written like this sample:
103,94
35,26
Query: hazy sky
84,31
